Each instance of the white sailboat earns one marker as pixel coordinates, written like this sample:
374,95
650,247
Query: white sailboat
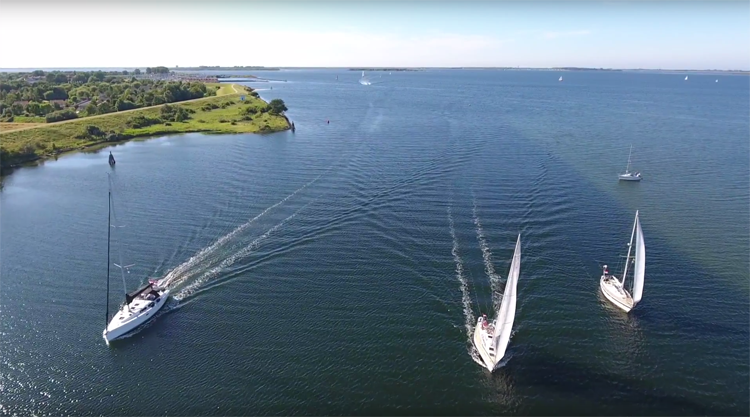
629,176
614,289
686,77
491,337
560,79
364,80
140,305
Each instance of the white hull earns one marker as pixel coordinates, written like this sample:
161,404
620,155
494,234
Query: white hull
129,317
483,344
613,291
629,177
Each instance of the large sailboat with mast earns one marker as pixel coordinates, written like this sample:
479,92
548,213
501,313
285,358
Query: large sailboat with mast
140,305
613,288
491,337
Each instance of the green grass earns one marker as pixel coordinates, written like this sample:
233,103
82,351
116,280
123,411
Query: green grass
29,119
53,138
223,89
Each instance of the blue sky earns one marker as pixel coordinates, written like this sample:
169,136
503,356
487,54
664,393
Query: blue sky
611,34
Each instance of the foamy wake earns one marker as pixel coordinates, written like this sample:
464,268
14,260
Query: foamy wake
182,272
489,269
469,319
229,261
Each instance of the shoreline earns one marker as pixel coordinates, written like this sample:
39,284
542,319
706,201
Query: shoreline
224,114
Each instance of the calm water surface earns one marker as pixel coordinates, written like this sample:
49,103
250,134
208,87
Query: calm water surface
339,270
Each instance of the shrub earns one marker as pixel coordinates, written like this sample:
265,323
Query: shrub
142,121
60,116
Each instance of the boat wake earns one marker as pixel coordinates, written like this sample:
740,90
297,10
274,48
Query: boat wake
229,261
187,269
489,268
469,319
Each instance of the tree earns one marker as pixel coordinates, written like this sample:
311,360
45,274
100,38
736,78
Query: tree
137,72
57,93
80,78
121,105
16,109
277,106
33,108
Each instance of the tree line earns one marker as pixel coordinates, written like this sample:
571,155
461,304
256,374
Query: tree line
64,95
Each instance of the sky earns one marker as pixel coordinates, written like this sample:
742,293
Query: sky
348,33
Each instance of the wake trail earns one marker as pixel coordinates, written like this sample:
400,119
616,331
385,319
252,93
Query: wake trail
182,272
464,284
489,268
229,261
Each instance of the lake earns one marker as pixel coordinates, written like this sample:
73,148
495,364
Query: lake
340,269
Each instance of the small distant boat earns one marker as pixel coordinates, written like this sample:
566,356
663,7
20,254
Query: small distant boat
630,176
560,79
614,289
111,159
717,81
686,77
491,337
139,306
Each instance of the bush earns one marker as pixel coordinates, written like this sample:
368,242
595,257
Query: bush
142,121
175,113
60,116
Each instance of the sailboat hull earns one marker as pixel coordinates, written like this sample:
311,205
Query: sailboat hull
613,291
482,343
133,315
629,177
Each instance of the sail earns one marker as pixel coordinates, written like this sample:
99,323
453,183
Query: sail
507,311
640,263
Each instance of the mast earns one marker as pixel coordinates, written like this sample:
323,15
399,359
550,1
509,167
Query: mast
109,232
630,246
119,254
629,153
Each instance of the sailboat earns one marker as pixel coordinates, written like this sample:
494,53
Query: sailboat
491,337
364,80
629,176
560,79
140,305
686,77
614,289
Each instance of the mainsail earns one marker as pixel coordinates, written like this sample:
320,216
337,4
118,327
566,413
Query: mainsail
640,263
507,312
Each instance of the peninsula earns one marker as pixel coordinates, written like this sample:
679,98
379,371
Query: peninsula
46,114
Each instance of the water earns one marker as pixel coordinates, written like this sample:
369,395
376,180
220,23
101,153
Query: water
340,269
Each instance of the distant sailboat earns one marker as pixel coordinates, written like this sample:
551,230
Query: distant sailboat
717,81
614,289
686,77
491,338
560,79
364,80
630,176
111,159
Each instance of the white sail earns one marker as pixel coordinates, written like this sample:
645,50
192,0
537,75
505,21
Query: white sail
507,312
640,263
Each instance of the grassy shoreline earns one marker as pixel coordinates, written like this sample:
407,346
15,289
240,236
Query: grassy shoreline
224,113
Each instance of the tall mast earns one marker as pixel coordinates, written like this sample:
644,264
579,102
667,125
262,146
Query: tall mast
629,153
109,232
630,246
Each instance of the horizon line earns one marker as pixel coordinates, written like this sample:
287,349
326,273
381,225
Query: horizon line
262,67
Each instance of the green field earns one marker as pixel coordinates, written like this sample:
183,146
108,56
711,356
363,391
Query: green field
229,116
